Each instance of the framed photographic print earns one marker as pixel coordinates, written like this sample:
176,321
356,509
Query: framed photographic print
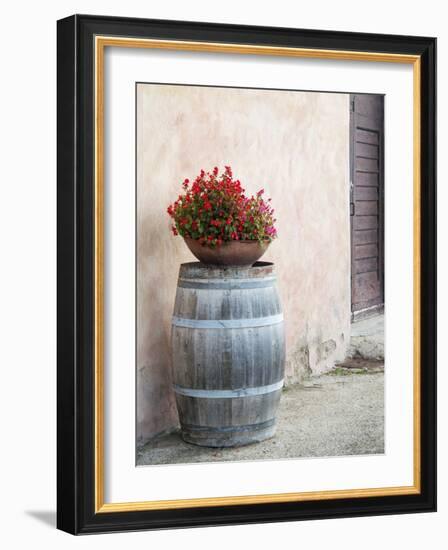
246,274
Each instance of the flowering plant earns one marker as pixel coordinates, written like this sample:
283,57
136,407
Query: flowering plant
214,209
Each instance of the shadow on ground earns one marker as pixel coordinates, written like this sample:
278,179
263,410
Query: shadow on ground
48,517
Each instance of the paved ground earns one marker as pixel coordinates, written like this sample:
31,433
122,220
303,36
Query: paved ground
367,338
341,413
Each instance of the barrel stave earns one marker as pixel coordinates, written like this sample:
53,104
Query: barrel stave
228,422
203,304
219,413
234,358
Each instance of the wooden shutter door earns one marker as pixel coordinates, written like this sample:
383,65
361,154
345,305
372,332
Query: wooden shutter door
367,200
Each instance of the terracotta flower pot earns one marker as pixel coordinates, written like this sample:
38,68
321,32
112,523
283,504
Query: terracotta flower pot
229,253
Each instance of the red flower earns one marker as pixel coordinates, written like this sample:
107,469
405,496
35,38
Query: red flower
217,204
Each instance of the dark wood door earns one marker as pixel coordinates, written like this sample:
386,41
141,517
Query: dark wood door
367,200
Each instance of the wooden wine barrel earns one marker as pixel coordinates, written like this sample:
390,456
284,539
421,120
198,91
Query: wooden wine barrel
228,352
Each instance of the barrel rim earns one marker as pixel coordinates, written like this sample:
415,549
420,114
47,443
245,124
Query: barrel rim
248,283
197,270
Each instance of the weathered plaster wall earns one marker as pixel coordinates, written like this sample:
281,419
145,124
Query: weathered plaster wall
296,146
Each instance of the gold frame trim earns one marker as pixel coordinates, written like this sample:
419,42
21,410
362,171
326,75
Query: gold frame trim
101,42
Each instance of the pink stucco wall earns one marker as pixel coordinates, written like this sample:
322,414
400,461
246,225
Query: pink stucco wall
296,146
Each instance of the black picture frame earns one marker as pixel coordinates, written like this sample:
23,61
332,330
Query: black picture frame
76,510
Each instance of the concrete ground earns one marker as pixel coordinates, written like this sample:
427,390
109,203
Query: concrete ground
367,338
340,413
